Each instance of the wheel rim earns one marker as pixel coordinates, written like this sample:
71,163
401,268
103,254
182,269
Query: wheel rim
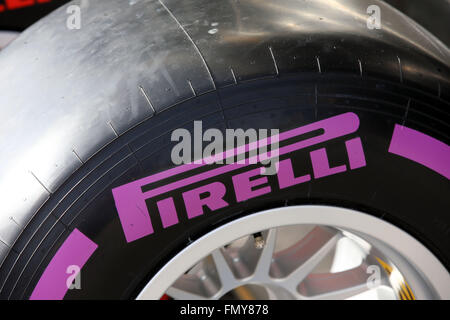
303,252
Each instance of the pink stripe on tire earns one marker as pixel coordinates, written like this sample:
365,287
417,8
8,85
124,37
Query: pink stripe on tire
75,251
421,148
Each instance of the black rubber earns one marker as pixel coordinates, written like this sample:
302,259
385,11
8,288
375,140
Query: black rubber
407,194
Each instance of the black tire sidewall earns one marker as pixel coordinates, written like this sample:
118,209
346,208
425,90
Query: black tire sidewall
392,188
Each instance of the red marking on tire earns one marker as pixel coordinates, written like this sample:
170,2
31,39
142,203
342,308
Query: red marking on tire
19,4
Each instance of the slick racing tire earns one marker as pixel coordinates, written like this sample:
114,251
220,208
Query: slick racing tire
94,206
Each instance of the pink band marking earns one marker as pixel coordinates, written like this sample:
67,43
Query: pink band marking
75,251
421,148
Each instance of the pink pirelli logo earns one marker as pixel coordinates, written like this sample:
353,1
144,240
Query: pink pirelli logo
131,204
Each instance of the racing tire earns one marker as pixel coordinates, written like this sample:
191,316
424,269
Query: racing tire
86,139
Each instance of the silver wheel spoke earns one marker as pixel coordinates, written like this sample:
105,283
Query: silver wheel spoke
224,272
243,259
309,252
200,281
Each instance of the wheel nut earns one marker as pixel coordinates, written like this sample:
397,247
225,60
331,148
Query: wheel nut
259,240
